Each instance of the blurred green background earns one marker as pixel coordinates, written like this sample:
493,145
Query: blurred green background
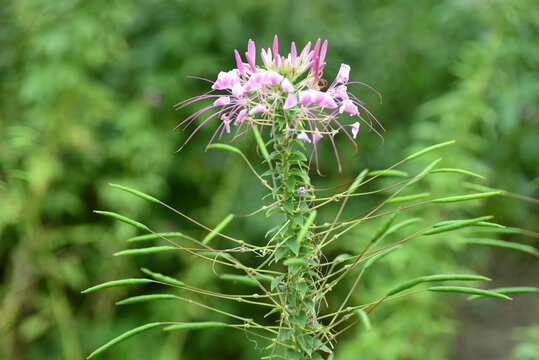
87,89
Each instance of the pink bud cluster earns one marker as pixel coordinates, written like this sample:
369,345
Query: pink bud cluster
290,86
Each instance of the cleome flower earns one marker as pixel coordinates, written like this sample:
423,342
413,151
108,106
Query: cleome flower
292,87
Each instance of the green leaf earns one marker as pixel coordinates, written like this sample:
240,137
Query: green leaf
145,298
378,256
429,149
168,235
123,219
434,278
148,250
123,337
454,225
196,326
509,290
218,228
241,279
402,225
388,173
260,142
423,173
116,283
225,147
364,318
276,282
302,289
162,278
357,181
457,171
305,228
468,290
504,244
136,193
399,199
296,262
280,252
382,229
452,199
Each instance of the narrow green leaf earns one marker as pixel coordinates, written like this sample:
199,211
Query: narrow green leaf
144,298
225,147
260,142
162,278
123,337
481,188
468,290
452,199
136,193
455,277
304,229
402,225
218,228
405,286
196,326
357,181
241,279
216,254
116,283
503,244
123,219
454,225
429,149
490,225
379,256
434,278
457,171
385,226
399,199
168,235
509,290
364,318
423,173
388,173
147,250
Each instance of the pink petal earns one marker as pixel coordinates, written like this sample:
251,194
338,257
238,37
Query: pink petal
305,97
329,102
239,118
355,129
287,85
222,100
237,90
349,107
259,108
239,62
344,74
316,137
304,137
291,101
301,189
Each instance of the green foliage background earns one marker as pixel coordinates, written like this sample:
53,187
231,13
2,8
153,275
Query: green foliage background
87,89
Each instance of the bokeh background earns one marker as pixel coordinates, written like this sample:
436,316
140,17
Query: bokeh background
87,89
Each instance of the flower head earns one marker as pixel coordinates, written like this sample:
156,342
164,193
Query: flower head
287,87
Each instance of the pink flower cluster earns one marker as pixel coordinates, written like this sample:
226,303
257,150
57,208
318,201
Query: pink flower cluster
289,86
